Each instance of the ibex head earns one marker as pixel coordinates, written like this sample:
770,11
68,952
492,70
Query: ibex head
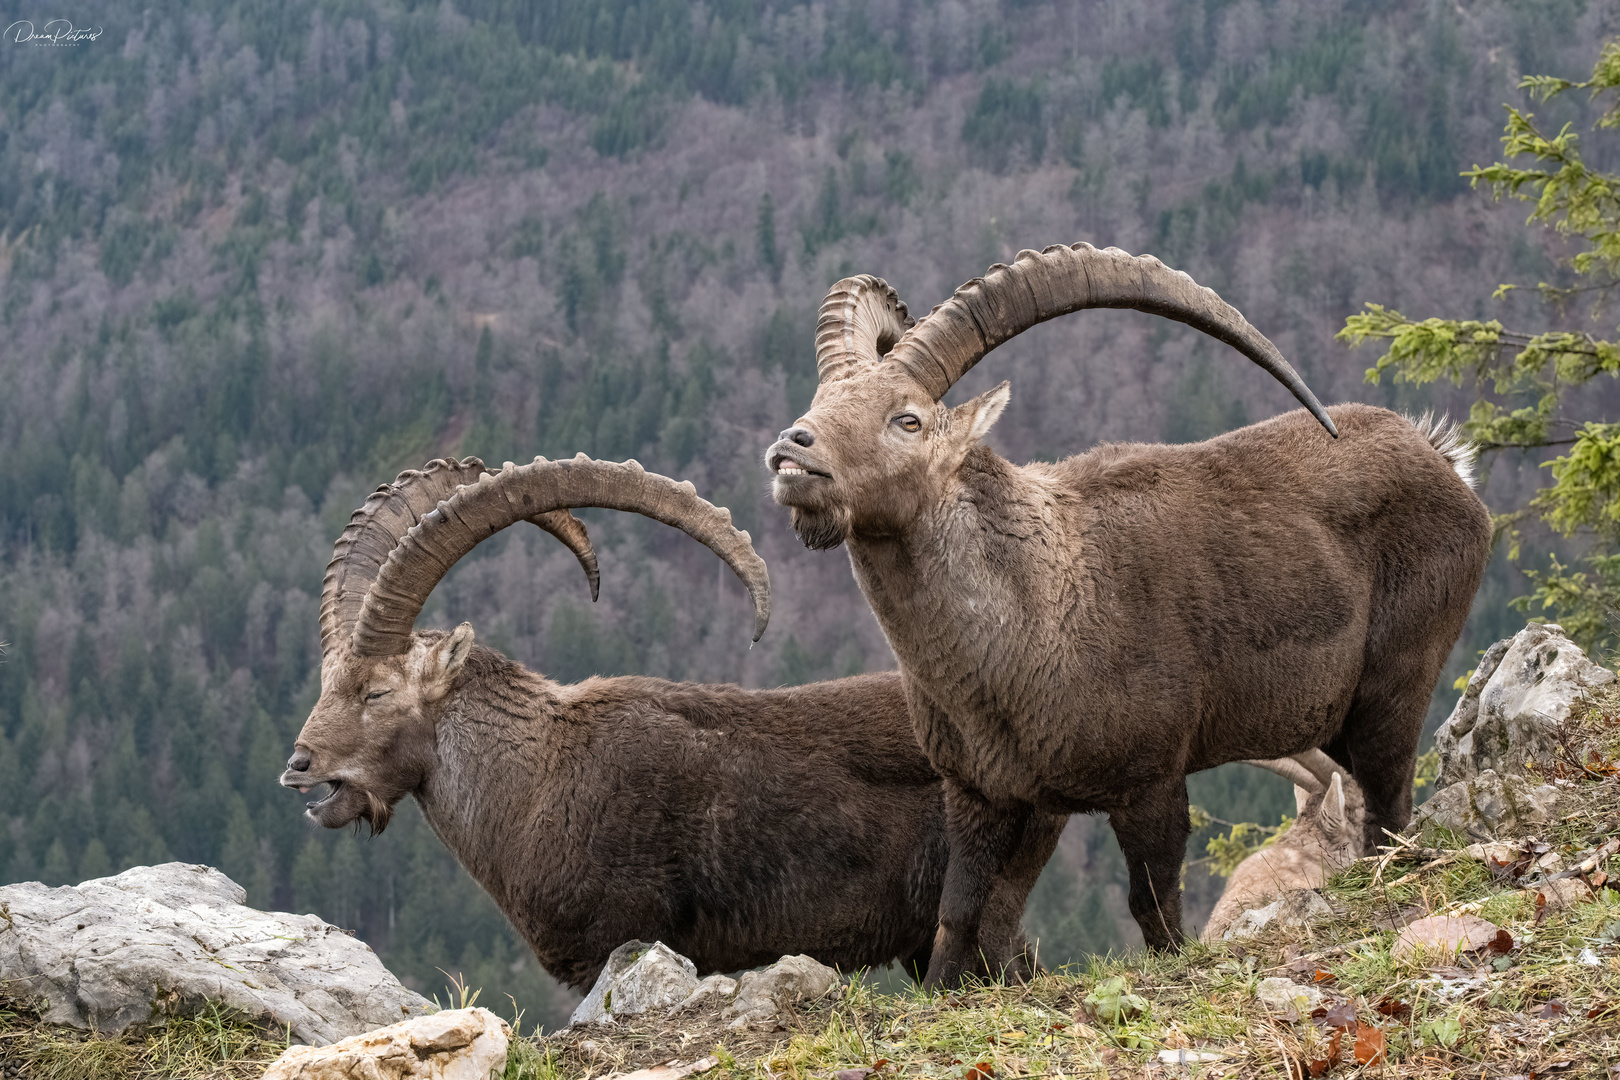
1329,805
385,685
878,446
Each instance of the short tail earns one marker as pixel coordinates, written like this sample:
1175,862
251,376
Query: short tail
1448,438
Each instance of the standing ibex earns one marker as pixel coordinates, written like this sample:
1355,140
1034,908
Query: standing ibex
1324,838
733,825
1082,635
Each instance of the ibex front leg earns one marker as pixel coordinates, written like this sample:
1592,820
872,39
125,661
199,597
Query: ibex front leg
983,840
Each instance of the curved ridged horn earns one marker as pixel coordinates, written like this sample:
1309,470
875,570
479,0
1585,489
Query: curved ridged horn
1008,300
388,513
1290,770
860,320
1321,766
480,510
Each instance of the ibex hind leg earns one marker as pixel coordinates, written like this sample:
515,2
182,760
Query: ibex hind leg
1152,833
1379,741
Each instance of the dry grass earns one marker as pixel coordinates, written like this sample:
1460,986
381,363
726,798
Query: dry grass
214,1046
1550,1007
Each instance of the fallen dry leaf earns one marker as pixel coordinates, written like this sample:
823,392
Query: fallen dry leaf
1341,1015
1445,936
1369,1045
1394,1007
670,1070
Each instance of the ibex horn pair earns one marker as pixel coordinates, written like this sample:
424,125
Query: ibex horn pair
389,513
1312,770
863,320
410,533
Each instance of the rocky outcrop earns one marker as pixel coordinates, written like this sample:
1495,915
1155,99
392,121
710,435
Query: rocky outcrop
1489,806
161,941
457,1044
640,978
1514,703
1510,714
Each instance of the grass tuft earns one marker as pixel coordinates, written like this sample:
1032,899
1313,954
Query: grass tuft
212,1046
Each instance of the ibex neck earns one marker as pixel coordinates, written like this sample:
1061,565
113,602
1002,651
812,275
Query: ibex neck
491,756
964,570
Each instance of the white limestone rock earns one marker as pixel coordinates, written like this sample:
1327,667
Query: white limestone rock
1288,997
765,994
457,1044
1296,907
638,977
1489,806
1510,711
161,941
712,992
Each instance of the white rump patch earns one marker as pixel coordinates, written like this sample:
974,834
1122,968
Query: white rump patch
1448,438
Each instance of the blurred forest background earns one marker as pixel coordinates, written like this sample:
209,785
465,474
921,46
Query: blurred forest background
256,257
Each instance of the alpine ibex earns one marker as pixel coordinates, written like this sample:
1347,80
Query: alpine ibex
1080,636
734,825
1325,837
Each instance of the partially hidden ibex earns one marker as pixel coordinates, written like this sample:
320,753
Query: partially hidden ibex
1080,636
1324,838
734,825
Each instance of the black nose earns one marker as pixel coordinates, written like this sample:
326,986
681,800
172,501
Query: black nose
299,762
802,436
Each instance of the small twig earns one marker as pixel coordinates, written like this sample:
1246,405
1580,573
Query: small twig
1402,844
1413,875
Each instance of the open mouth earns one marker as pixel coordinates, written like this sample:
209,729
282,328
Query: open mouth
316,804
782,465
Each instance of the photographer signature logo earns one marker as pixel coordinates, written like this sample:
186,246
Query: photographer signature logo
55,32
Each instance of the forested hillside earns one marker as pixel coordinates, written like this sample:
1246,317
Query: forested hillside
257,257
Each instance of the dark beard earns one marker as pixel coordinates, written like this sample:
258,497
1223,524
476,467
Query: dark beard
820,530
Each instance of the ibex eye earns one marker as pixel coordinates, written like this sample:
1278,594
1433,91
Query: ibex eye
375,694
908,422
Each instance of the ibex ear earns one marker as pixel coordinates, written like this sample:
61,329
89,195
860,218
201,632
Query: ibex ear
1332,814
978,416
1301,797
444,660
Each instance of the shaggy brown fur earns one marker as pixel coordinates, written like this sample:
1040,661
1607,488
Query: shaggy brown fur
1080,636
735,826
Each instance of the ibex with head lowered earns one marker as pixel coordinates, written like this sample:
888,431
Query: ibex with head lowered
1324,838
733,825
1082,635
